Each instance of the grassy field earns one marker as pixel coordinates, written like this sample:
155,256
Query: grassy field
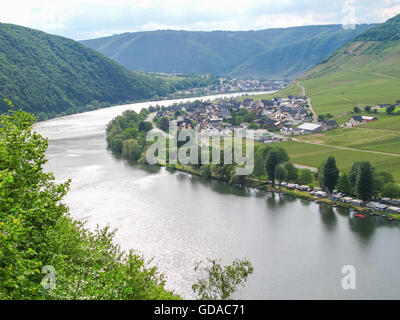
368,140
355,77
363,138
313,155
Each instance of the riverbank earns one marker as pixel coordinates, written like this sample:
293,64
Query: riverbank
263,185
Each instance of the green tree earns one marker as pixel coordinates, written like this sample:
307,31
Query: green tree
164,124
356,110
391,190
36,230
292,172
306,177
329,175
344,184
368,109
131,149
145,126
217,282
206,170
272,162
390,109
259,165
365,181
280,173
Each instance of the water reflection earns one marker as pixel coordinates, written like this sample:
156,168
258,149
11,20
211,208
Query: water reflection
328,216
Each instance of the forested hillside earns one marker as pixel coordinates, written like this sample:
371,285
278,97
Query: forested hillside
271,53
50,75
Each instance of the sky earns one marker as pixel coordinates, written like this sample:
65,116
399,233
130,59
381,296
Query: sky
87,19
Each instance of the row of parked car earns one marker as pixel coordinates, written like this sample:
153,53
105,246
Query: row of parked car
385,204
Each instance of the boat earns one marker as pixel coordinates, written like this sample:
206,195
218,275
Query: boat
359,215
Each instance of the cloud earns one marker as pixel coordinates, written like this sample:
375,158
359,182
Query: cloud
82,19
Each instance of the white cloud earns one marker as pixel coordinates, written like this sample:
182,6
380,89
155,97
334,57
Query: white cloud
82,19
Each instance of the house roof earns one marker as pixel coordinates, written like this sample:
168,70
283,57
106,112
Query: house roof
357,118
309,126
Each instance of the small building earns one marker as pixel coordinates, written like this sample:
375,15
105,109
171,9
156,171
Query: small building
357,202
347,200
377,206
321,194
329,124
356,120
292,186
310,127
368,119
393,209
304,188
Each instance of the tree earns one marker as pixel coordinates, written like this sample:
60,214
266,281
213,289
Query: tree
272,162
292,172
321,117
329,175
354,172
218,282
390,109
206,170
391,190
368,109
36,230
356,109
164,124
365,181
131,149
145,126
344,184
259,165
280,173
306,177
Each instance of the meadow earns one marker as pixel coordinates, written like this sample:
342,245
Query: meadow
314,155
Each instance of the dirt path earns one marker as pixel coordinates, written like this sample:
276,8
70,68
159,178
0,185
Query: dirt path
315,116
150,118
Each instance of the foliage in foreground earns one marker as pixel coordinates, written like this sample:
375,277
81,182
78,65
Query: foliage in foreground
218,282
35,230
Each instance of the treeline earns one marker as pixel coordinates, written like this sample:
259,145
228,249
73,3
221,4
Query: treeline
126,134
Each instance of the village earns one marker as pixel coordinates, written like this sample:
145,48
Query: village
269,120
238,85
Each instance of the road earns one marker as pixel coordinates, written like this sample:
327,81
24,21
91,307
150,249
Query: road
315,116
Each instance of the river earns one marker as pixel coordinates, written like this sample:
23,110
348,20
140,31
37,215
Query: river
297,248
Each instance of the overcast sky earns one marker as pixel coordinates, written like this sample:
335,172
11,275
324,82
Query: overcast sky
84,19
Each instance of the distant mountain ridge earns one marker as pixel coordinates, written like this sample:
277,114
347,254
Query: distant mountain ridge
271,53
51,75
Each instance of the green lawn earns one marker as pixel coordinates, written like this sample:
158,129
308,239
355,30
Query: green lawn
359,138
314,155
359,79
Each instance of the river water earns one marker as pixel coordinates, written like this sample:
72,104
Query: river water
297,248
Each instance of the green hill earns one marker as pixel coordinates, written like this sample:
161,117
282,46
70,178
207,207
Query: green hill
51,75
271,53
366,71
